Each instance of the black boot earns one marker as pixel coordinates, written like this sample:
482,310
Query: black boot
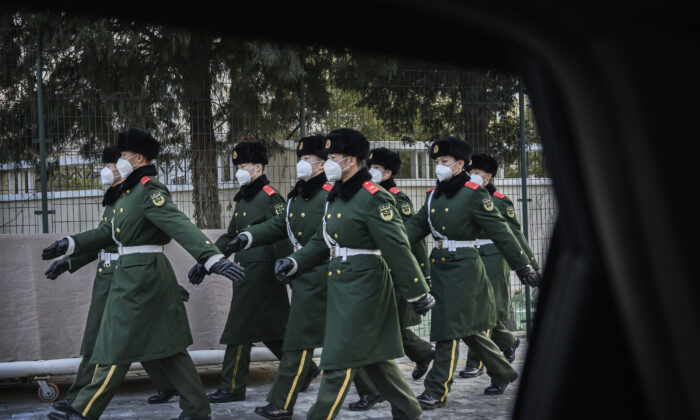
221,396
429,403
310,375
271,411
63,405
69,415
510,353
471,372
366,402
423,365
162,397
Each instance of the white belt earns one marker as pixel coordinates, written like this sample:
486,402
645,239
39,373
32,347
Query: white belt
140,249
298,247
338,251
482,242
108,257
451,245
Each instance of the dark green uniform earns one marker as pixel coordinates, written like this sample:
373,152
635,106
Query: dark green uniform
259,304
144,317
415,348
498,272
307,315
364,229
100,290
464,307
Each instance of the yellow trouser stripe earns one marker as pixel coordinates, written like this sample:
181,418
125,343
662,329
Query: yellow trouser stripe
94,373
296,378
452,363
99,391
340,394
235,368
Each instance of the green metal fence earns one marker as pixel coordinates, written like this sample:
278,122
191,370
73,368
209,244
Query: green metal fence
89,90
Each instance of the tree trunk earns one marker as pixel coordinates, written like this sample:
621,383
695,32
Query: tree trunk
203,162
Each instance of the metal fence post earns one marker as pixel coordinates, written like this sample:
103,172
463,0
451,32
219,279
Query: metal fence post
523,179
42,137
302,113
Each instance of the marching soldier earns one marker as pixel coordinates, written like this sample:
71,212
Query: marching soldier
364,236
384,165
259,305
144,317
307,313
100,290
497,270
455,212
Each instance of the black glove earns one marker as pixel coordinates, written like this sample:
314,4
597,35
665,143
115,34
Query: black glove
528,276
57,268
54,250
226,268
184,294
282,267
197,273
429,281
236,244
423,305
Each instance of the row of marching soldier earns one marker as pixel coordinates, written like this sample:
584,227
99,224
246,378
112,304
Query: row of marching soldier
351,247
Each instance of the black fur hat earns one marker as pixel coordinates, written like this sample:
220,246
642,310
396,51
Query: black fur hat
139,141
484,162
250,151
452,146
387,158
110,154
348,142
311,145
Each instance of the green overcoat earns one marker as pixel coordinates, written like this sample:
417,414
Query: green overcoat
464,297
259,304
362,325
144,316
497,269
407,317
307,314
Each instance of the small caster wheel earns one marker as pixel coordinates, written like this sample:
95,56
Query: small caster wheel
48,392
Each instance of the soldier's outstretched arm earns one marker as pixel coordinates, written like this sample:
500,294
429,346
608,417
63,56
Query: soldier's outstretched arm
517,231
312,254
267,232
90,241
389,234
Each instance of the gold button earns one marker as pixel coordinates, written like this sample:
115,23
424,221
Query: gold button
244,214
432,260
339,215
446,210
207,242
328,217
114,211
442,259
291,215
303,215
443,228
338,271
422,264
128,191
298,233
99,270
238,263
330,273
521,252
415,280
335,235
121,210
235,214
295,199
118,230
432,210
105,219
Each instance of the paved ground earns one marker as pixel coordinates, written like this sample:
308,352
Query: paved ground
466,400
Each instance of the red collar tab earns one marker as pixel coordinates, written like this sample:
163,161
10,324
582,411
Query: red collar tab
145,179
430,190
327,187
269,190
472,185
394,190
499,195
369,186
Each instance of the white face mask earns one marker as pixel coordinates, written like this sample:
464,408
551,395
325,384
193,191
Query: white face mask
476,178
106,177
124,167
333,169
243,176
304,169
443,172
376,175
